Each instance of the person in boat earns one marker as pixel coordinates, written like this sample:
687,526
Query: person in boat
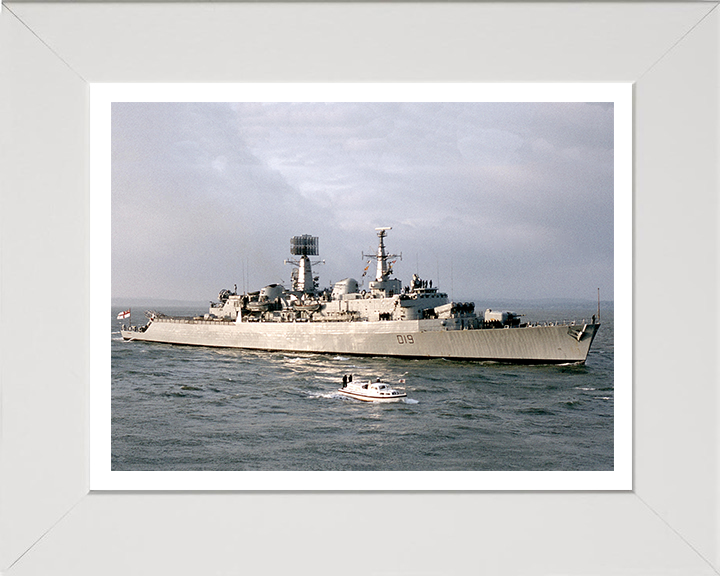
345,380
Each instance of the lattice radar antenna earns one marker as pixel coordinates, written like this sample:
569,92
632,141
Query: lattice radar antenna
304,245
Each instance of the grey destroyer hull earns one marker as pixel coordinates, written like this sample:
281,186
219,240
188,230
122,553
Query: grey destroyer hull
542,344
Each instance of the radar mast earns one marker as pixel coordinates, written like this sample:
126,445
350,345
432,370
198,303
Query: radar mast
302,278
383,269
383,286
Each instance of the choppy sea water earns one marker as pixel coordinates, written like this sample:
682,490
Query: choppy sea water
191,408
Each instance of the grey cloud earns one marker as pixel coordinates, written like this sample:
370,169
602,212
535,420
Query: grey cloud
510,200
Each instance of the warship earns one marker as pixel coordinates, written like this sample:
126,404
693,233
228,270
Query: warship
388,318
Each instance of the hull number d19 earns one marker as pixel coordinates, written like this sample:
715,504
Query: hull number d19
403,339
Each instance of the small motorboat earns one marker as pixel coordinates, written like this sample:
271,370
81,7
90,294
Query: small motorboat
369,391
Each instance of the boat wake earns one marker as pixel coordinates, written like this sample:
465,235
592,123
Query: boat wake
323,395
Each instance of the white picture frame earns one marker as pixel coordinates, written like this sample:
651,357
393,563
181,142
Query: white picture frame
50,53
102,99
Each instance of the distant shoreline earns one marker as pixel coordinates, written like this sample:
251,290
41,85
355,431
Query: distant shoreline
158,302
547,303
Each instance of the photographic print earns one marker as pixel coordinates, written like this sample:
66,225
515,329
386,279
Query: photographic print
363,286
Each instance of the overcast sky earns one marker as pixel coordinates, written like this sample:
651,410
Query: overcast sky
489,200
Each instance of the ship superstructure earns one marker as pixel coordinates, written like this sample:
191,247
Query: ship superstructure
415,320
